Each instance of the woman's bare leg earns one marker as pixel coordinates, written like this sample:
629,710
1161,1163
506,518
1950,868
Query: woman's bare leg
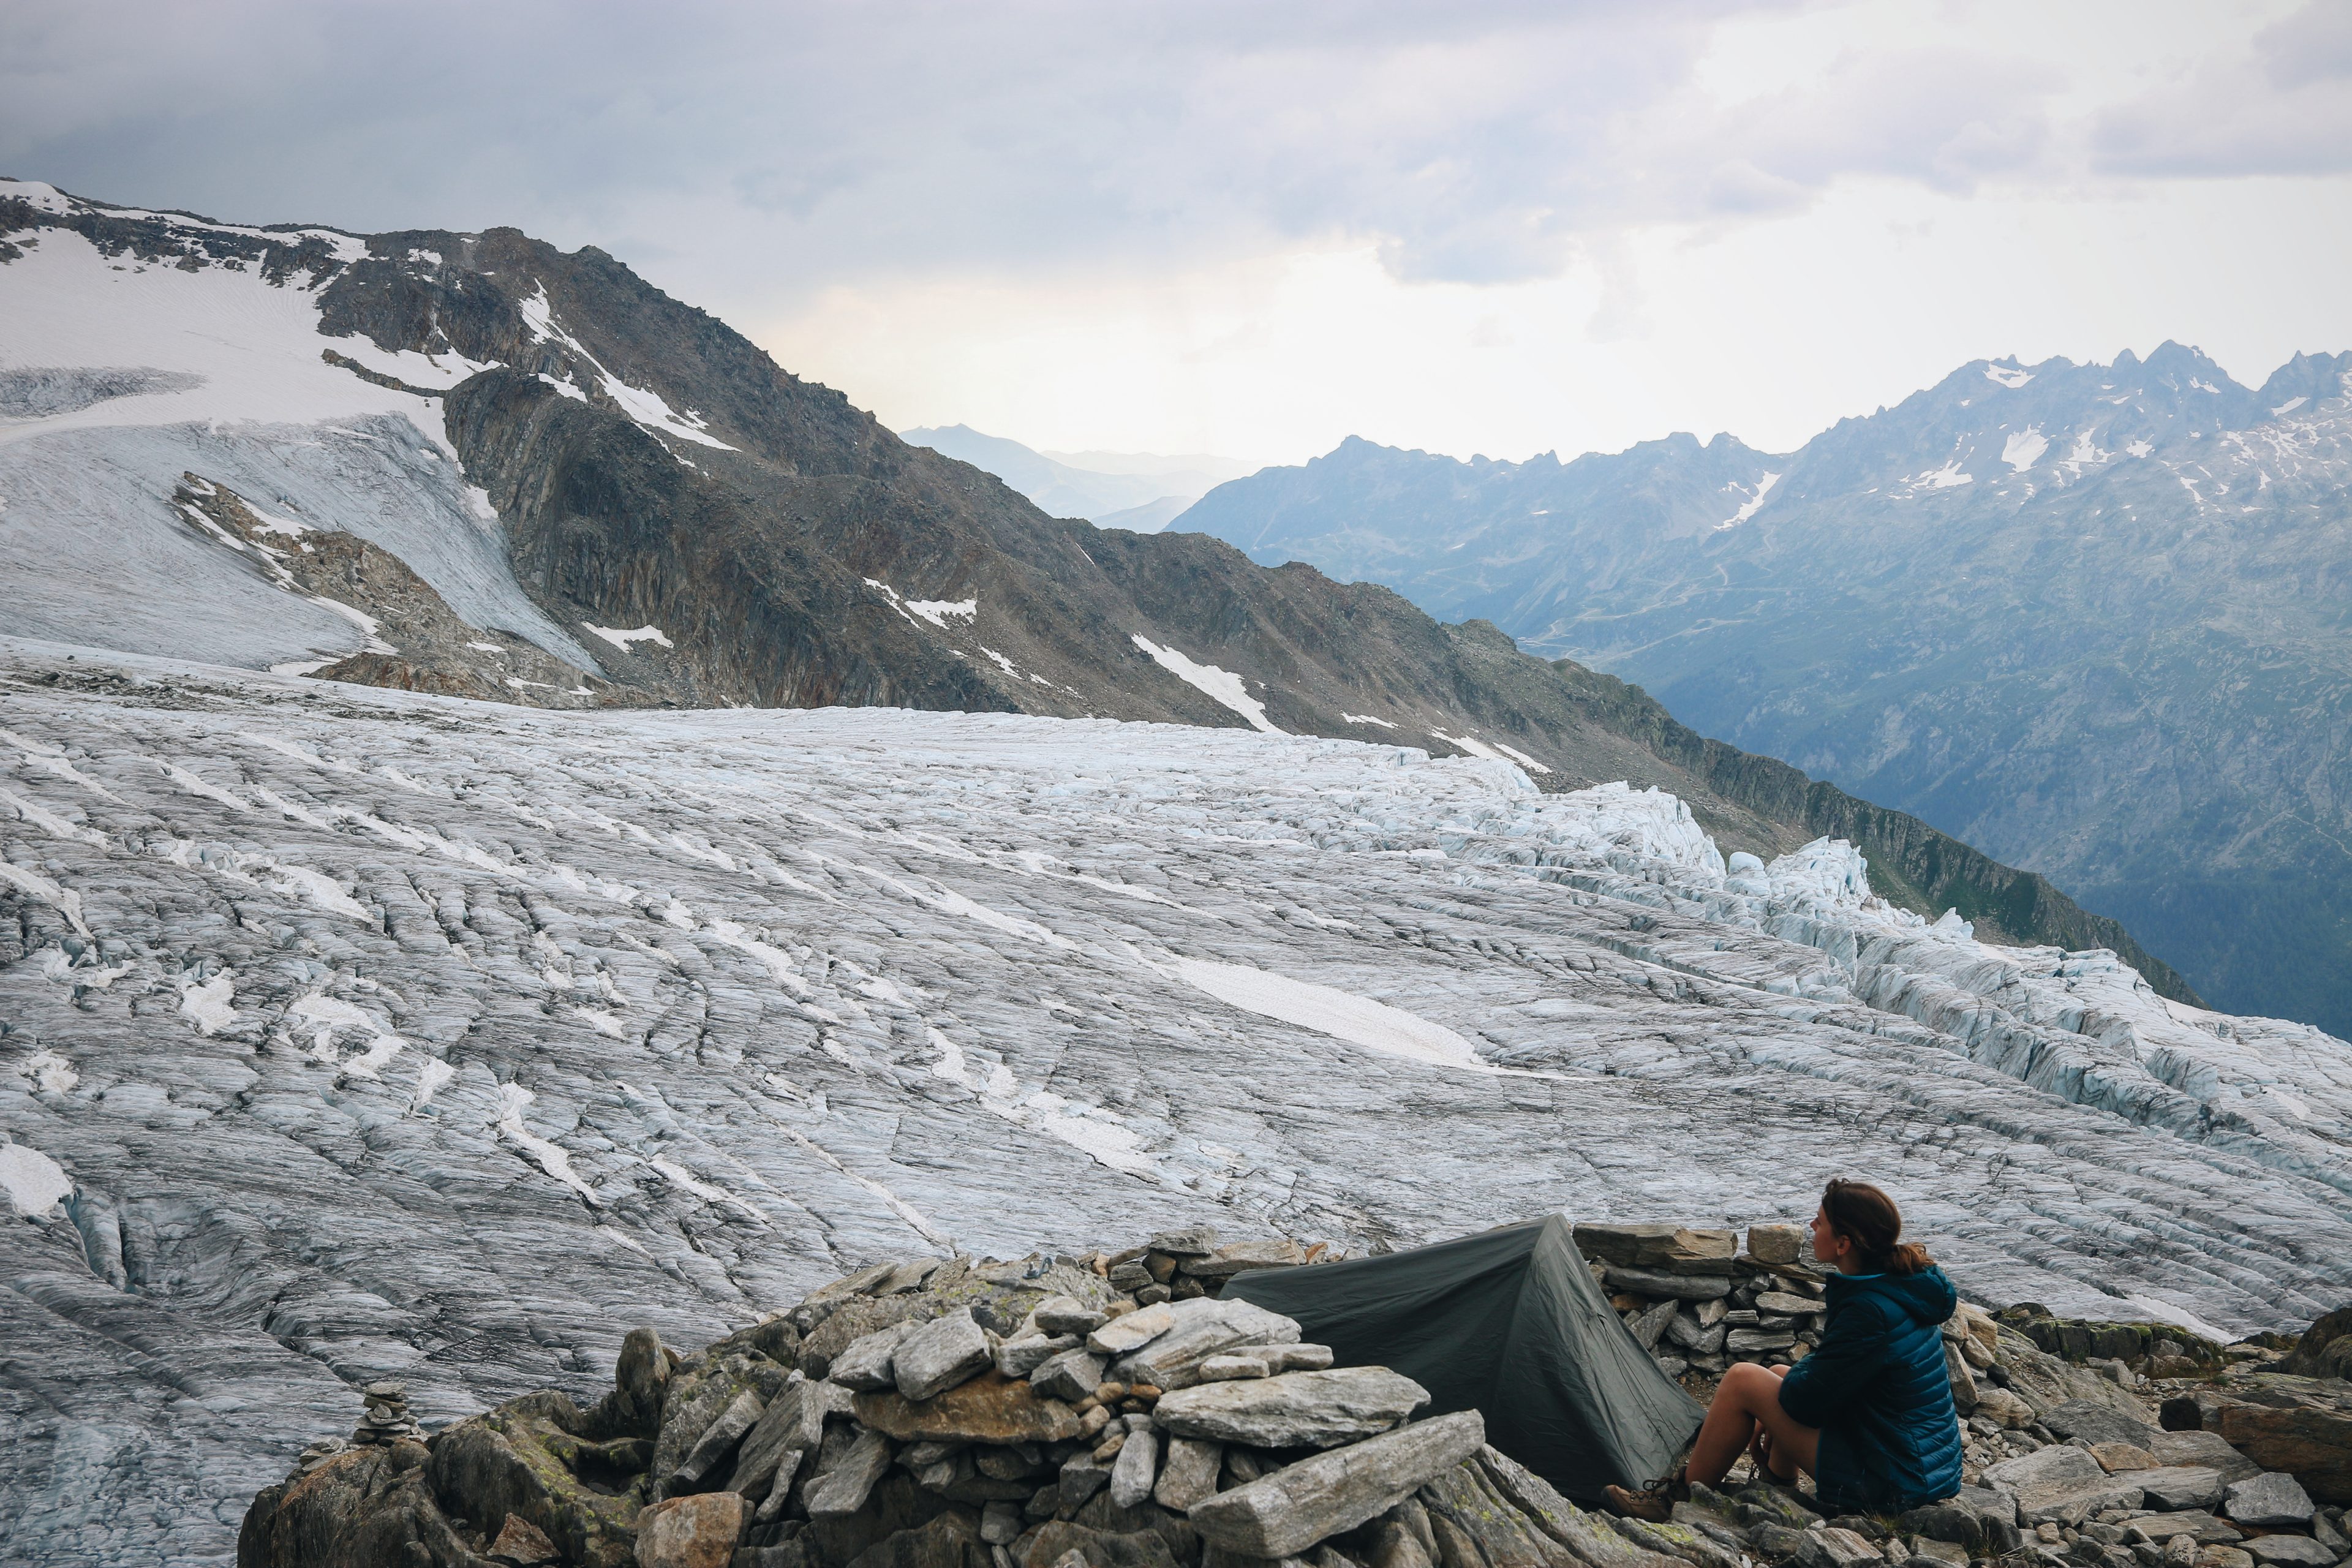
1747,1401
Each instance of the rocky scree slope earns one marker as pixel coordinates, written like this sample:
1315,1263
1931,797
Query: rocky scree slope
596,496
2088,617
352,1035
1108,1410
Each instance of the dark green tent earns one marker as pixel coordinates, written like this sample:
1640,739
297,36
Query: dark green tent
1508,1323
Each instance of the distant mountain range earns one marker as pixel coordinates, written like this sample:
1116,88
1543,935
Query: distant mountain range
471,463
1140,491
2095,618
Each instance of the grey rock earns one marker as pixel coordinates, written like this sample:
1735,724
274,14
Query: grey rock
999,1523
719,1439
1831,1547
2176,1488
2270,1500
2070,1503
1651,1322
2206,1450
1019,1358
1298,1408
1301,1504
1204,1327
1071,1375
1232,1368
1775,1243
1684,1287
865,1365
2096,1423
2328,1531
1082,1477
1241,1257
2199,1526
1753,1341
1188,1241
2295,1551
1978,1521
1136,1469
1678,1540
1293,1358
1133,1332
1788,1305
844,1488
2043,1467
948,1349
1188,1473
1666,1247
1065,1315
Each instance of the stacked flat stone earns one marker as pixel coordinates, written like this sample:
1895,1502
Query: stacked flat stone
1696,1302
387,1420
1108,1410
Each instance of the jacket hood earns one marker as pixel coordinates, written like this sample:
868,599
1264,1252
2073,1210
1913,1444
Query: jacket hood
1926,1297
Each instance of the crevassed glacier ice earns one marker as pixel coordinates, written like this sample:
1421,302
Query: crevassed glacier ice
380,1035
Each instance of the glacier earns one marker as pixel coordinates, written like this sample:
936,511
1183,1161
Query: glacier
348,1032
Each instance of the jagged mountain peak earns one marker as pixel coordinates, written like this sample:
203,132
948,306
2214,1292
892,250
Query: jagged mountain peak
1997,601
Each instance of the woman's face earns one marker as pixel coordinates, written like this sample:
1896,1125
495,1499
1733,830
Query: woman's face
1828,1245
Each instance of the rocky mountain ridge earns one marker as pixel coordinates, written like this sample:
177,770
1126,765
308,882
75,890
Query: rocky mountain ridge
2089,618
619,502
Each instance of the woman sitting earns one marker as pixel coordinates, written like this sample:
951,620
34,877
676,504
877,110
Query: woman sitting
1869,1415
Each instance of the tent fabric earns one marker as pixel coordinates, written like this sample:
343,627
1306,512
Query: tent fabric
1508,1323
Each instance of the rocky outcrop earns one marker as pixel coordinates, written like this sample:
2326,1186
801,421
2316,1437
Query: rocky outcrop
763,1451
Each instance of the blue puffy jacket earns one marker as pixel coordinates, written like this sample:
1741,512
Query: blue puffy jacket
1878,1389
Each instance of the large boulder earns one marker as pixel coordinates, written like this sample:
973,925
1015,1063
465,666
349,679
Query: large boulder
2046,1383
526,1457
364,1508
2324,1349
2302,1426
2178,1488
1298,1409
2268,1501
2205,1450
690,1532
1285,1513
2098,1421
2062,1485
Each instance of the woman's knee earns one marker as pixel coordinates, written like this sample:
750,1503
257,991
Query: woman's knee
1752,1387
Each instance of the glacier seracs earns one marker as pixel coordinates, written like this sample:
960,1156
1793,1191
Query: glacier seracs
376,1034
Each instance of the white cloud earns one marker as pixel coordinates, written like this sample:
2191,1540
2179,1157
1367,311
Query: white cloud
1249,228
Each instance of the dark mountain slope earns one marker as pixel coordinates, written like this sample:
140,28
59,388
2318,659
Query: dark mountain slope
735,534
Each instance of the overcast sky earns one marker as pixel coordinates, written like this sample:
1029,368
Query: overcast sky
1253,228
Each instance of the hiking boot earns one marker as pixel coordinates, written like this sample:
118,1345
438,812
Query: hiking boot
1655,1502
